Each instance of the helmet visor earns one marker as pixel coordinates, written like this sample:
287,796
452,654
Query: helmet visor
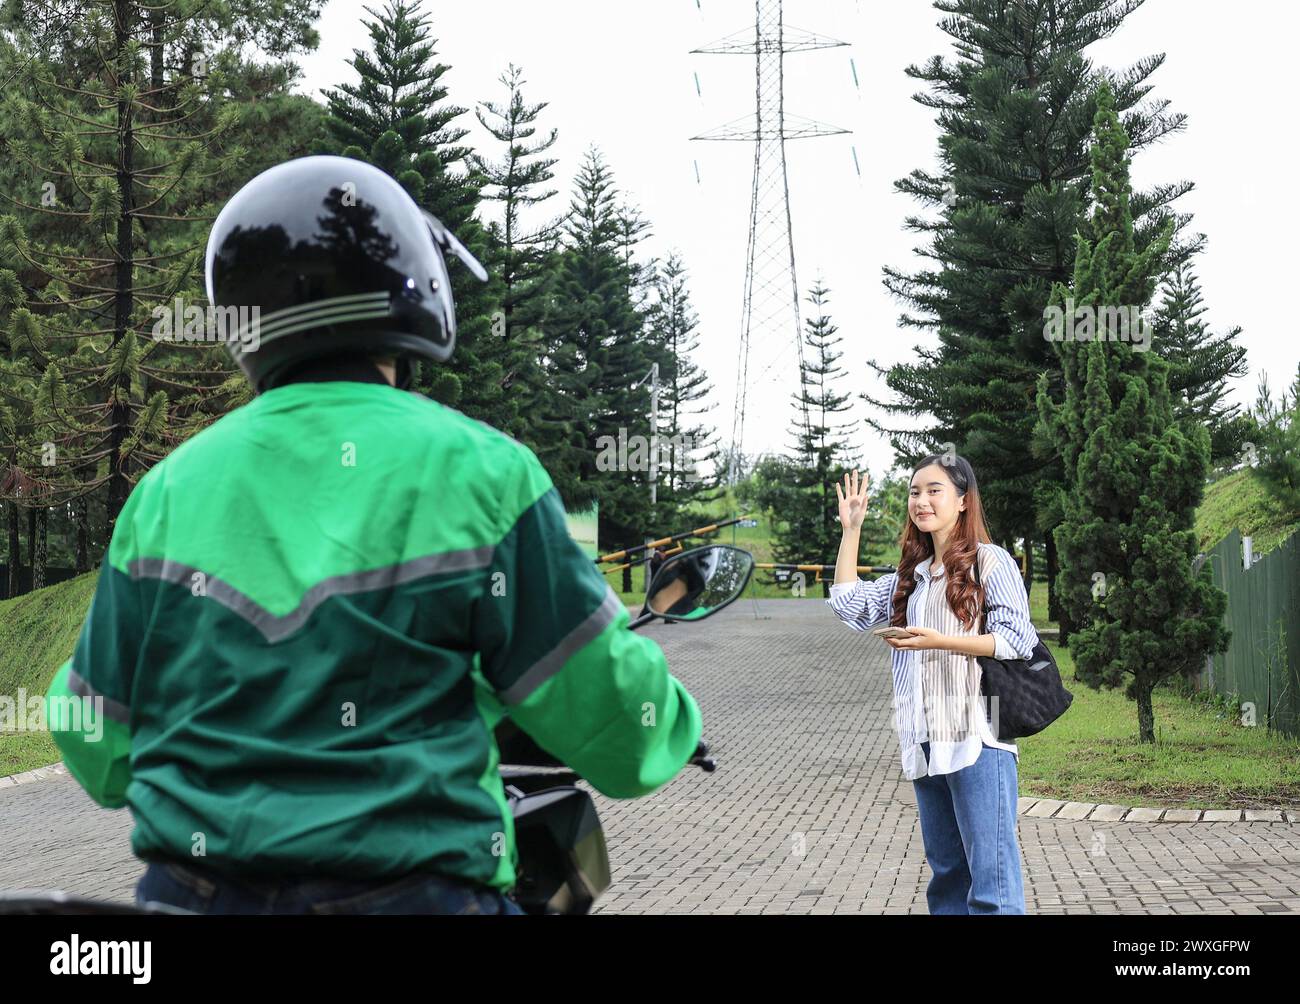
449,244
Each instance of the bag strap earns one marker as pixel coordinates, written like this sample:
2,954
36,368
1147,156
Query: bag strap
984,609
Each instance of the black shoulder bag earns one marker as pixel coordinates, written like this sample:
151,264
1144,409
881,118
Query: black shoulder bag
1024,695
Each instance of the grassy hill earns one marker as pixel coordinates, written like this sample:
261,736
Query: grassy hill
1240,501
37,634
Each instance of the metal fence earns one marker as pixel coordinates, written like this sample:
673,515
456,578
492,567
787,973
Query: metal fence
1262,663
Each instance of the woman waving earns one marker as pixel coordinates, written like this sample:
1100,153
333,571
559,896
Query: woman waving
965,779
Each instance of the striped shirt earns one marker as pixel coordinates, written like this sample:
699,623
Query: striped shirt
937,693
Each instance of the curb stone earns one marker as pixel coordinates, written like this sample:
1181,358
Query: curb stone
1050,808
36,774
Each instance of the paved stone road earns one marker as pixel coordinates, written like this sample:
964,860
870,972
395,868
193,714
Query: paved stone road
807,812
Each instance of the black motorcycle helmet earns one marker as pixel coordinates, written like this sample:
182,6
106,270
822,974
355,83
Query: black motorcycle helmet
337,259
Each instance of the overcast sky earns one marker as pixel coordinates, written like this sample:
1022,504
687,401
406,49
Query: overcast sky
620,76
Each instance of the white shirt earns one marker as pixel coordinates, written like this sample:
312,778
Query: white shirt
863,605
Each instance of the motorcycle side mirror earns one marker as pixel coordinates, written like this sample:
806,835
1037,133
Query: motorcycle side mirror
698,583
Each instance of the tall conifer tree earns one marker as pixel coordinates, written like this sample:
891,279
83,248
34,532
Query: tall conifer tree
397,116
1015,108
1135,472
116,151
523,259
1200,364
598,354
690,456
822,450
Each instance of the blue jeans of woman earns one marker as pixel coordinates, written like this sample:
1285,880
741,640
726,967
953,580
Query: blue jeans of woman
201,890
968,826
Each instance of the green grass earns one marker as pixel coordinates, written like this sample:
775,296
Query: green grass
1038,606
37,634
1202,758
1240,501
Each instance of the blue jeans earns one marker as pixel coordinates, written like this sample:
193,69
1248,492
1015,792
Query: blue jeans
201,890
968,826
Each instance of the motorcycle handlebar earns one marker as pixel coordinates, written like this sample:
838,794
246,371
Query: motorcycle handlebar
702,759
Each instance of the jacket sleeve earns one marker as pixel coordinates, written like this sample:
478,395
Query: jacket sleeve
553,642
1007,619
88,702
861,605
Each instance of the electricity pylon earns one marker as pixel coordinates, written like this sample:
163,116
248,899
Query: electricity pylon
771,306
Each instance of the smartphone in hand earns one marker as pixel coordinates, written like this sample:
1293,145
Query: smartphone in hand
892,632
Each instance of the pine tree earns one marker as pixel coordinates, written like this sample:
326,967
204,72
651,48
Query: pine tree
633,228
115,151
688,446
633,354
276,124
522,257
127,214
597,353
1200,364
1135,473
883,526
273,124
397,117
1015,109
1277,445
399,90
821,452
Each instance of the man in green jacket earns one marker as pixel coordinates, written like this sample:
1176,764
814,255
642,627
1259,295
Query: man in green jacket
312,614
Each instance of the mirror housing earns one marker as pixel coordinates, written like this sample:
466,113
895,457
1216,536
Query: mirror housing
698,583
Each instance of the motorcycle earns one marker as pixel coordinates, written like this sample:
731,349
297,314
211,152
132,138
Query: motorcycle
563,859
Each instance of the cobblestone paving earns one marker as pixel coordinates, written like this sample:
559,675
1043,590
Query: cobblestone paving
807,812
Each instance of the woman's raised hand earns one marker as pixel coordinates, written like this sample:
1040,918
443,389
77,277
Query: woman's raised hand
853,501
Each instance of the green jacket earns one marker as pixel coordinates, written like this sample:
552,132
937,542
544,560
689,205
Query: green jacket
309,620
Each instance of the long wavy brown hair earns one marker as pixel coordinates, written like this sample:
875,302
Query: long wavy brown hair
964,597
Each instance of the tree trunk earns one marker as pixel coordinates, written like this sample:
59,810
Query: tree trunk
156,56
15,555
31,539
1066,626
81,510
1053,605
41,557
1029,565
1146,716
123,299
